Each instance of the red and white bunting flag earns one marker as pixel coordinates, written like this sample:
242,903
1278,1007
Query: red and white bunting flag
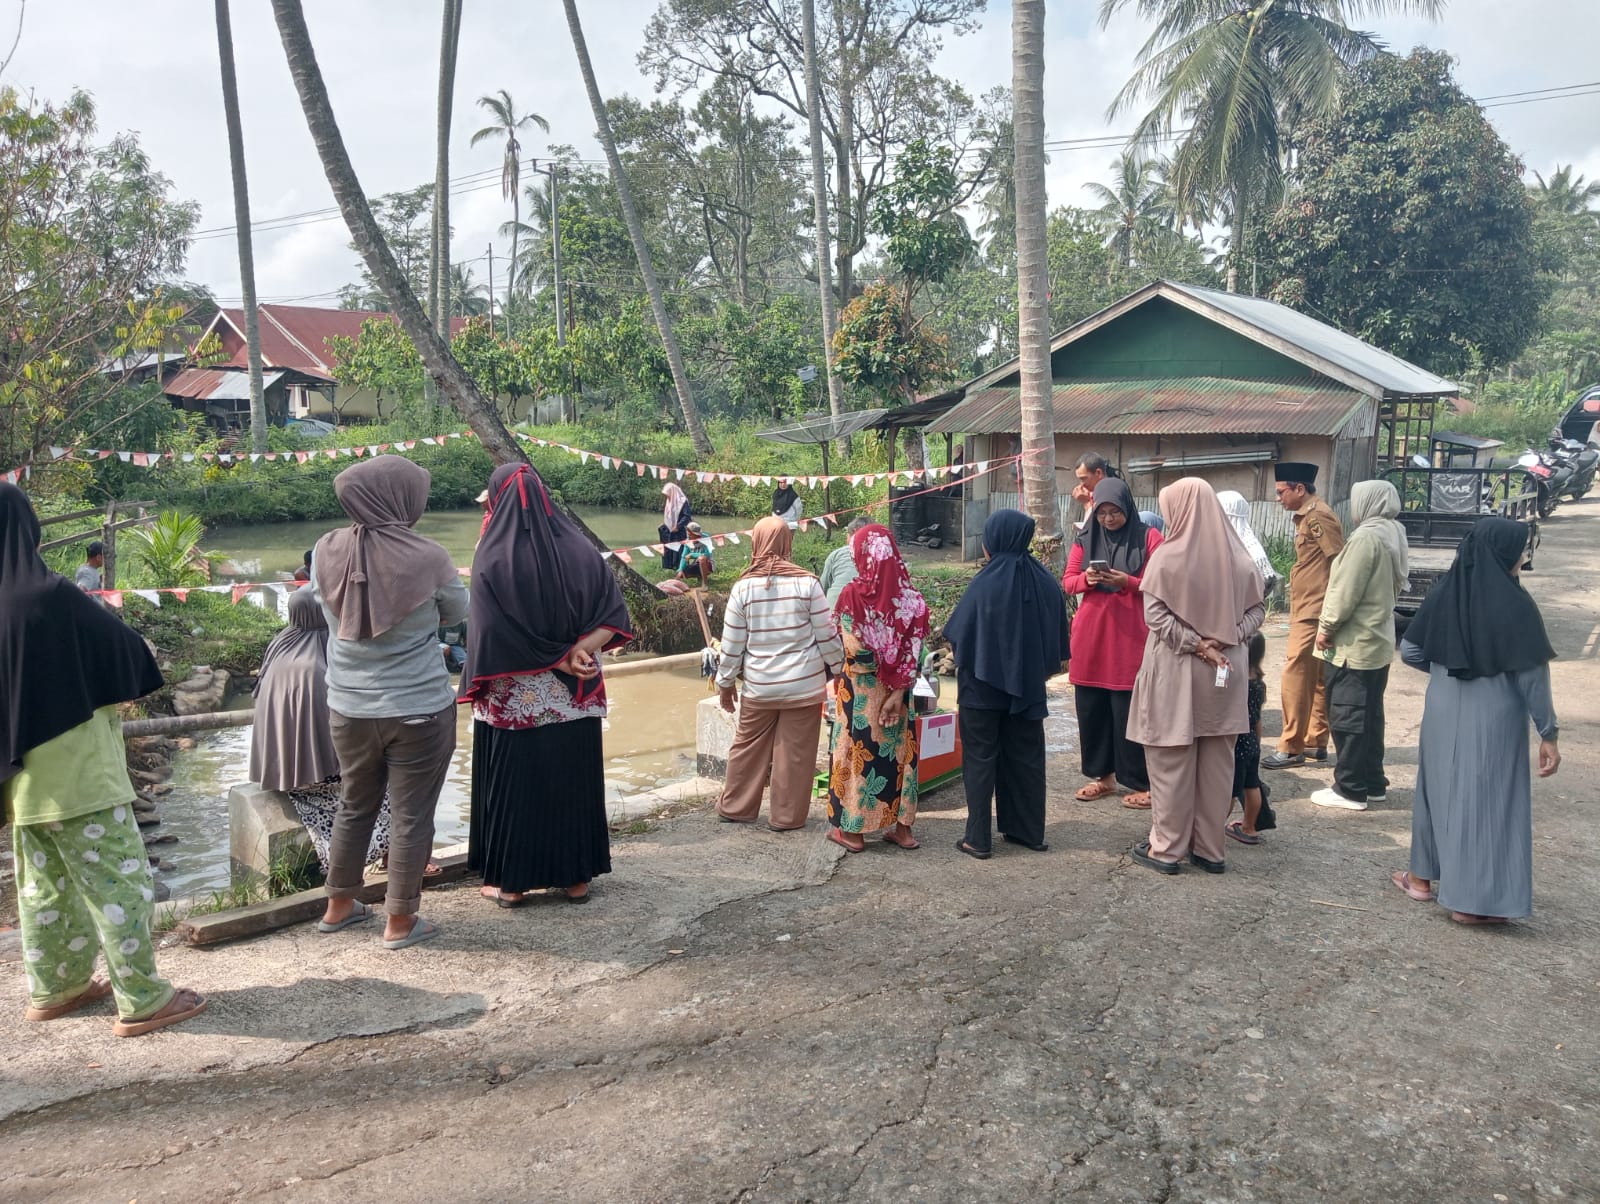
124,456
224,458
643,550
142,459
182,595
333,453
680,473
188,457
374,450
383,447
150,596
639,469
358,452
982,466
239,591
254,457
410,444
622,556
302,456
273,456
584,456
733,537
805,524
57,452
871,480
113,598
607,462
453,435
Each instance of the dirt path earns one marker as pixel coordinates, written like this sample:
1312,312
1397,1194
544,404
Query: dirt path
746,1016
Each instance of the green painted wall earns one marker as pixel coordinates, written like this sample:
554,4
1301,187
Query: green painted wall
1163,339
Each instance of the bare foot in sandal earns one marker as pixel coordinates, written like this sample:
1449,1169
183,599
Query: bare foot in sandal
1097,789
183,1005
900,835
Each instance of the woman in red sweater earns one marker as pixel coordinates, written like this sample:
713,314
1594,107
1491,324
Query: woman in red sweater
1108,636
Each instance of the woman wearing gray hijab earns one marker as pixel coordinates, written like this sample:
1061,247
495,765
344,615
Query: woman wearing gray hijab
386,591
291,741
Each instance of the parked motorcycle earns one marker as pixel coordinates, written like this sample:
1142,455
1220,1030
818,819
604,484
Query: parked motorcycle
1553,477
1581,458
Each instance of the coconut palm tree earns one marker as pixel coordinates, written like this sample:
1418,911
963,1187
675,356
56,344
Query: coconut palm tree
506,125
1131,206
1033,275
442,366
630,216
1231,80
1565,194
468,297
241,219
819,203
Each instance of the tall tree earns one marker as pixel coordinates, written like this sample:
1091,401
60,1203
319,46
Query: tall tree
1566,193
1409,224
507,124
1241,77
1033,277
437,358
630,214
876,93
439,259
241,221
1130,206
819,203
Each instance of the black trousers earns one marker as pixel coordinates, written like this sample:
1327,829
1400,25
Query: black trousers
1002,762
1355,717
1103,732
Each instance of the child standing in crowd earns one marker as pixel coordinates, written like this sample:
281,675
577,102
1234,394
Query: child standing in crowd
1248,787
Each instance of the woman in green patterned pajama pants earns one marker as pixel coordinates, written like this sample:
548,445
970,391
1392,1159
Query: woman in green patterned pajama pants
83,879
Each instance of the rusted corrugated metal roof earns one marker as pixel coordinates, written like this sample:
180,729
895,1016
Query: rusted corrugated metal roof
1188,405
216,384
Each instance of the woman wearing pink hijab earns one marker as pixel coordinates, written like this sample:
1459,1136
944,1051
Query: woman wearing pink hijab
1202,601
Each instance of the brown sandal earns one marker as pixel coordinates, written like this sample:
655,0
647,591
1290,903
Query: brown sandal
137,1028
905,841
1138,801
1405,882
1094,790
97,990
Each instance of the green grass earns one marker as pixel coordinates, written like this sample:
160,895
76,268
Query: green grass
207,629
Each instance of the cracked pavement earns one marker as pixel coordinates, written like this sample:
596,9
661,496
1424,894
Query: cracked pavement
745,1016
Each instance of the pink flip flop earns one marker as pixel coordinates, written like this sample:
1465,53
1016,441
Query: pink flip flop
1402,881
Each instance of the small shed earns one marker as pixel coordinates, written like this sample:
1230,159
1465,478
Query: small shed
1176,380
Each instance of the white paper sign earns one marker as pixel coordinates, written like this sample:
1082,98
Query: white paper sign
938,735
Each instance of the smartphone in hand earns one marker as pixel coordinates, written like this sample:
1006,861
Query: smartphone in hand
1099,566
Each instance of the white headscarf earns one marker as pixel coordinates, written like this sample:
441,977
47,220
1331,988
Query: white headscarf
1238,512
1373,506
677,502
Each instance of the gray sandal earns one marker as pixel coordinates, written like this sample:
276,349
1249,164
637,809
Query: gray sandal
359,913
422,930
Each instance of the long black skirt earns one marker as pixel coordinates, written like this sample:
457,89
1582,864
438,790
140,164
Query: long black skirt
538,806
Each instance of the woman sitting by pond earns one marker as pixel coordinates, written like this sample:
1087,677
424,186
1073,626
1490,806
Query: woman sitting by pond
883,621
387,591
83,877
544,607
1105,565
291,742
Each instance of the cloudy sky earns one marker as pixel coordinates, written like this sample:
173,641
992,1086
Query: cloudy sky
152,68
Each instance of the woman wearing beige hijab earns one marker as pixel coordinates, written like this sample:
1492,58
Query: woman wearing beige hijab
779,638
386,591
1203,601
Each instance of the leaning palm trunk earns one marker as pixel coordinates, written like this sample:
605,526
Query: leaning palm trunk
630,215
1033,280
439,259
819,200
442,366
241,218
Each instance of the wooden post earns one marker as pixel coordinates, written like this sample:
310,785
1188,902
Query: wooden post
108,537
827,486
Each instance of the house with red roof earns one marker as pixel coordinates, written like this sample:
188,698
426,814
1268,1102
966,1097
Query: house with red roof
299,375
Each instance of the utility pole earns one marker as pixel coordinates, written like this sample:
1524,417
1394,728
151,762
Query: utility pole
491,293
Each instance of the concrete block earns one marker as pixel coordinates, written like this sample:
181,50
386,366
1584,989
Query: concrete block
713,737
264,830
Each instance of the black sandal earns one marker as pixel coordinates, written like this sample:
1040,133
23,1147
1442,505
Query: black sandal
963,847
1141,853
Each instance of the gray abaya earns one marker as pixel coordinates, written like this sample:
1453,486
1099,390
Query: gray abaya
1472,822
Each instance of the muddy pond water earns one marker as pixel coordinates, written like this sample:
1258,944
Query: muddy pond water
649,742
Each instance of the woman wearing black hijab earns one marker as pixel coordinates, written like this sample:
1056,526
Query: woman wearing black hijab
786,502
1009,632
543,606
83,879
1106,566
1482,641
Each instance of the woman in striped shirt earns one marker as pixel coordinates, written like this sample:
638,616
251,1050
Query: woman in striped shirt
778,636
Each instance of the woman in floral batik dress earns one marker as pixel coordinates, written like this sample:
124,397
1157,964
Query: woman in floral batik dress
883,621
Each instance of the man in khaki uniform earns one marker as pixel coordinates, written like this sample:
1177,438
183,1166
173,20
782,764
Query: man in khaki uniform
1318,538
